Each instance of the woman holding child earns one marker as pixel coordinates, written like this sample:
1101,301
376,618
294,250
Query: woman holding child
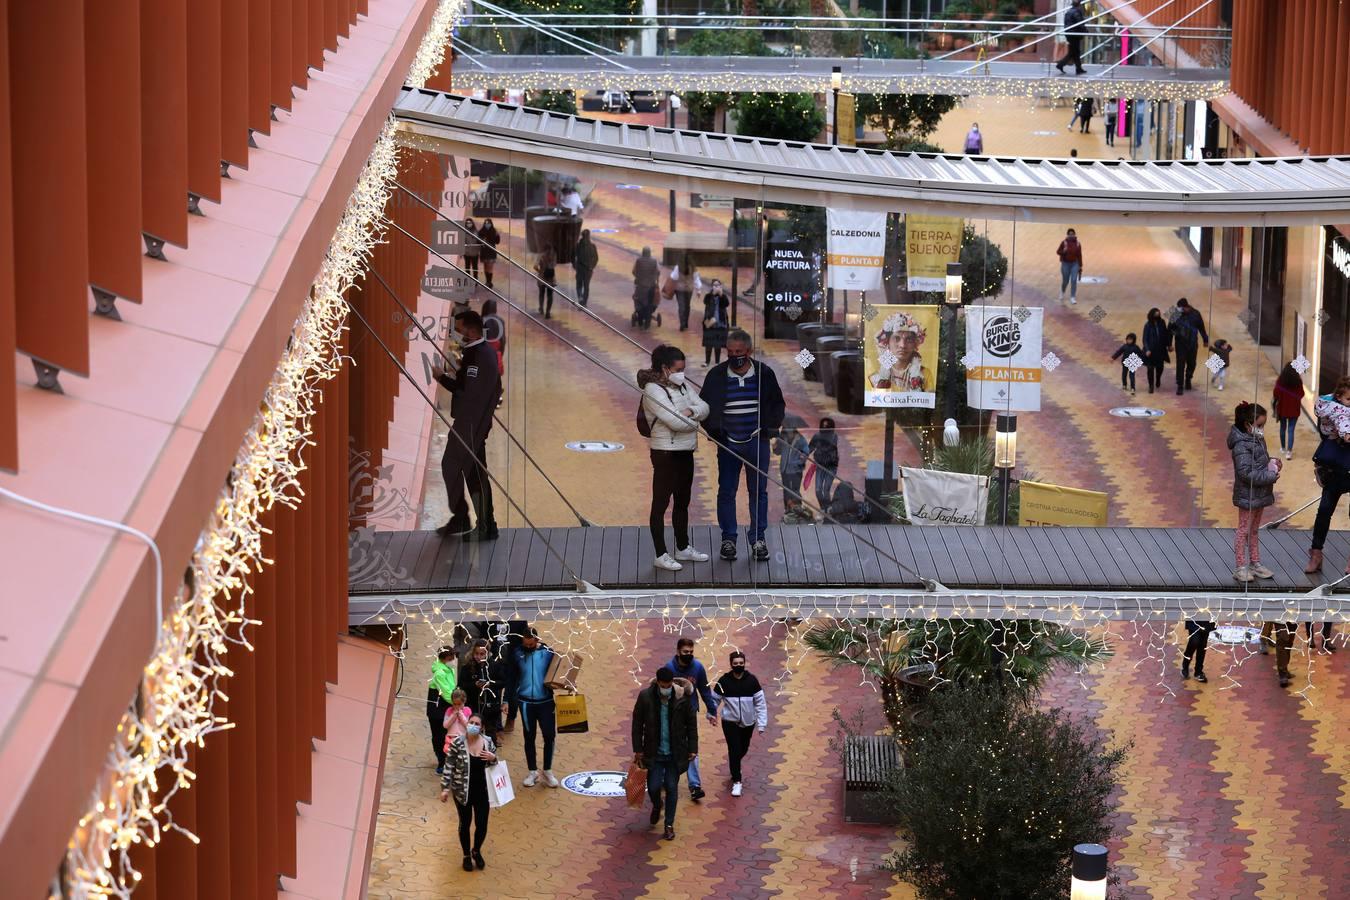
1332,463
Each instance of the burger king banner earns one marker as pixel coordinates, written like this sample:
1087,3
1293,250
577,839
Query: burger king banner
857,248
1003,358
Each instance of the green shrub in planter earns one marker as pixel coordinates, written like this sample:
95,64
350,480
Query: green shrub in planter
994,795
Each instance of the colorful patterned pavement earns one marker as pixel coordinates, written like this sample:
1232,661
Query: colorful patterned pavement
1232,789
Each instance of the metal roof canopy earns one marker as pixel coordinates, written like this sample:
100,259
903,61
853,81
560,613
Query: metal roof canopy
812,75
1280,191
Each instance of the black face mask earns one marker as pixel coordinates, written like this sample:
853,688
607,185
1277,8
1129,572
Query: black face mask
738,360
686,658
738,670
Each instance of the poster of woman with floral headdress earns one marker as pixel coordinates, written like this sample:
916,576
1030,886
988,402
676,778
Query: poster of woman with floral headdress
900,357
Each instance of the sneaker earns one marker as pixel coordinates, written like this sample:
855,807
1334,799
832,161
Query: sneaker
696,794
689,554
1289,454
736,789
530,779
667,562
669,833
440,770
760,551
1220,387
1200,677
1243,574
550,779
1261,571
1063,297
1131,394
1285,679
728,550
1073,301
455,527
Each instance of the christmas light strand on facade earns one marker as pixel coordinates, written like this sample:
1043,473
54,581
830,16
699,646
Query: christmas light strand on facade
730,81
148,761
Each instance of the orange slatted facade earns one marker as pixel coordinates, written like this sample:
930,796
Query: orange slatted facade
114,112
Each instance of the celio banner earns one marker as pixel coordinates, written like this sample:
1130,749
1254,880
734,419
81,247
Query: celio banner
1005,373
930,243
856,249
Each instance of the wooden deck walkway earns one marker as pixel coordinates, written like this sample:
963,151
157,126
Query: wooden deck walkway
836,557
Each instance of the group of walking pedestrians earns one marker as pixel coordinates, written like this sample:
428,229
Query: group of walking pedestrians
665,726
1182,337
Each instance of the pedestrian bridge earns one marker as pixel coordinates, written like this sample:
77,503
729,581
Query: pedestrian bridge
1246,192
1073,575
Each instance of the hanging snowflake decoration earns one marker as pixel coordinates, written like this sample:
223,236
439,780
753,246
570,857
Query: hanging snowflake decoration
1173,313
1050,362
1214,363
1021,314
887,359
869,312
1133,362
805,358
793,311
1301,364
1097,314
1323,317
969,360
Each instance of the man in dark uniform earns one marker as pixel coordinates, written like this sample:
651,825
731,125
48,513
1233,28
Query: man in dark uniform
475,389
1075,27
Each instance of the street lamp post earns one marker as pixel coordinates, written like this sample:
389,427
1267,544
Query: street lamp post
951,435
836,82
672,104
1087,880
1005,457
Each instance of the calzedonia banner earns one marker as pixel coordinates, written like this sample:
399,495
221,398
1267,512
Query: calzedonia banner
856,249
1003,349
930,243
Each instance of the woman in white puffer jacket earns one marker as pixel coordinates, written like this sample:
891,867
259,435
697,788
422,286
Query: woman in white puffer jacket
674,411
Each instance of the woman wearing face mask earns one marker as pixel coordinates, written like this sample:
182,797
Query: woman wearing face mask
467,761
471,247
488,239
674,411
741,709
1157,341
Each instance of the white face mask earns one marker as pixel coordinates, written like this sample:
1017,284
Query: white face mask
1259,432
677,378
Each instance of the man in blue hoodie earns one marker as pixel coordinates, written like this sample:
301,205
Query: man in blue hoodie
685,666
528,668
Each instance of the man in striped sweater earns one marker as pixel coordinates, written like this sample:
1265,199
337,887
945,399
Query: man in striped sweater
745,412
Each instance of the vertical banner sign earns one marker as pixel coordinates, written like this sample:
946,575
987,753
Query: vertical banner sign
846,124
944,498
856,248
930,243
790,278
1051,504
1006,347
900,349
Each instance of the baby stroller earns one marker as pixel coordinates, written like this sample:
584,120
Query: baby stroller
644,308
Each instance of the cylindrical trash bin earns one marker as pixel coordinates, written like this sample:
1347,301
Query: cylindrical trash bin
804,332
826,347
808,334
849,383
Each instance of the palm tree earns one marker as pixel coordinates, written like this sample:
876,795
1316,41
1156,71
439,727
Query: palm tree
1015,655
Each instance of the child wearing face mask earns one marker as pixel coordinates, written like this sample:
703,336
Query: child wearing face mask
674,410
1254,477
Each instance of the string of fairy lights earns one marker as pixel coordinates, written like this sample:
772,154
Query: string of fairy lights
787,81
147,763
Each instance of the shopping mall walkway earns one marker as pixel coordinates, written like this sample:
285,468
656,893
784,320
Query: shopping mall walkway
1232,789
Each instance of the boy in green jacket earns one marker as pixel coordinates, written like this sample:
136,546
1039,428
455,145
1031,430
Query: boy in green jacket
439,688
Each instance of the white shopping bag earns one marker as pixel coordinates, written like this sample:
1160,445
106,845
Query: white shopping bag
499,787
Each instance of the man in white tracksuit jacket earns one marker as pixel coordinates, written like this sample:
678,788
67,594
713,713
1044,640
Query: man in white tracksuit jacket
741,709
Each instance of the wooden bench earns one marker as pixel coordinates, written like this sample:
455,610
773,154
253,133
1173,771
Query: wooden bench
705,248
869,762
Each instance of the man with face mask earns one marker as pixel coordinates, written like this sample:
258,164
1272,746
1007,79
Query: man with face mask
527,670
742,710
684,665
483,681
665,740
745,411
475,389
